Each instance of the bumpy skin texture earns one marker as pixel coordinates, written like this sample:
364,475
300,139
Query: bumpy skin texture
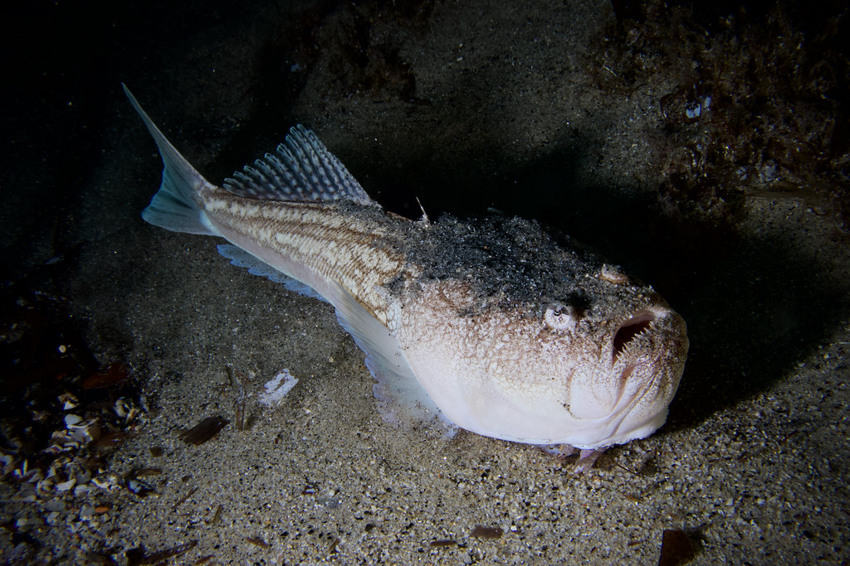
548,346
511,333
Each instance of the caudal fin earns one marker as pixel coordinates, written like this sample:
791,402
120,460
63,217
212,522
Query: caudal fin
174,207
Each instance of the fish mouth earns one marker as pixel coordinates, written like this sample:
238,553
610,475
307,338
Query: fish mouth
645,350
630,354
641,322
629,330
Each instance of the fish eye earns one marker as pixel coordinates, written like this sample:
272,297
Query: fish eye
559,316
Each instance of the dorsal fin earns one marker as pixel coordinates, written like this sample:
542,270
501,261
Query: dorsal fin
300,170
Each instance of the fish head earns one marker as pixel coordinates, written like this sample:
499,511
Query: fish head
592,371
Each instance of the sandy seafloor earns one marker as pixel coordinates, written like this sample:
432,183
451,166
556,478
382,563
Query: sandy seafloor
500,113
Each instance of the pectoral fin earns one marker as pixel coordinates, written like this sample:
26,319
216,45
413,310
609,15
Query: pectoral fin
401,399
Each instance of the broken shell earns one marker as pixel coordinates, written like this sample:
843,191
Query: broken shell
86,432
122,408
22,471
131,416
109,483
68,401
125,410
45,485
83,476
68,440
80,425
102,483
139,487
71,420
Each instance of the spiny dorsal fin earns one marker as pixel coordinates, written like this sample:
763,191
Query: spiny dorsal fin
300,170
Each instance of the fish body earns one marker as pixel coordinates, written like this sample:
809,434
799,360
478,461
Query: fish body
493,326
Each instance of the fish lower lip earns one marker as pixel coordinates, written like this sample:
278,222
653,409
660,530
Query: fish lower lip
621,404
627,372
624,378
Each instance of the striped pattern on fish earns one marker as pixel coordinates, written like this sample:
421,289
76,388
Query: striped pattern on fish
353,250
494,326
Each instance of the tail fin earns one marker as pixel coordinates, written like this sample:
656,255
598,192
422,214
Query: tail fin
174,207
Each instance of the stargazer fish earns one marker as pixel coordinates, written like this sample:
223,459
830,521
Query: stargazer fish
494,326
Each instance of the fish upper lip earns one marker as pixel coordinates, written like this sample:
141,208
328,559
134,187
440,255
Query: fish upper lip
631,328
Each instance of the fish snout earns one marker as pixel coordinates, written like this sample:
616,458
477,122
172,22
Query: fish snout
645,354
648,355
